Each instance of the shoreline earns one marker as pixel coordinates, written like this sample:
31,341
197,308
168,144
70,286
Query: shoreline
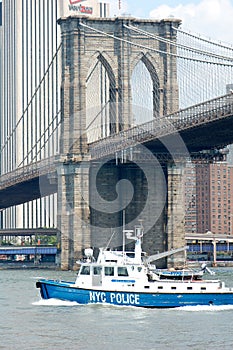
219,263
28,267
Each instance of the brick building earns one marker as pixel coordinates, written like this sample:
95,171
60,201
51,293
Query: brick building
211,206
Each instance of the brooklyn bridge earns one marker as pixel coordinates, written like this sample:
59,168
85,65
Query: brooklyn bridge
122,107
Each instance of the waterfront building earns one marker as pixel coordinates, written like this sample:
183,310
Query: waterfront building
212,199
30,92
216,212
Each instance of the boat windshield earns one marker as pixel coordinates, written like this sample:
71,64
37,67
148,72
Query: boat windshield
85,270
108,270
122,271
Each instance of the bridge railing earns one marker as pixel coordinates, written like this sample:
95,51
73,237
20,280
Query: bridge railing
221,105
157,128
162,126
27,172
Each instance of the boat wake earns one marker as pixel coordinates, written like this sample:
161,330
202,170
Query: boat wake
210,308
198,308
54,302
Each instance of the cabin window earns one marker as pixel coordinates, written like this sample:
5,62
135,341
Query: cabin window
160,287
109,271
122,271
173,288
85,270
203,288
189,288
139,269
97,270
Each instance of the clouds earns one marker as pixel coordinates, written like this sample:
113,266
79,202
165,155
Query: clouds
212,18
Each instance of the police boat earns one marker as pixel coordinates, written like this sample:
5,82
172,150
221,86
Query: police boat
127,278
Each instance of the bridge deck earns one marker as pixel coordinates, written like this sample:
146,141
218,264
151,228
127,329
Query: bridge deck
205,126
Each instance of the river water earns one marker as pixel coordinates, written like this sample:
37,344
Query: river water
27,322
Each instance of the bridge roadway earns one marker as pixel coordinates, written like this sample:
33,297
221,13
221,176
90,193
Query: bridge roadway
28,183
205,126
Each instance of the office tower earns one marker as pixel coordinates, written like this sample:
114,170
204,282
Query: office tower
0,83
30,92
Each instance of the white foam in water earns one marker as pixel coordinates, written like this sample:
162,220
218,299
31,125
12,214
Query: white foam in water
54,302
199,308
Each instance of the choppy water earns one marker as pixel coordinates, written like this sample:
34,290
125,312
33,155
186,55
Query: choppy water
27,322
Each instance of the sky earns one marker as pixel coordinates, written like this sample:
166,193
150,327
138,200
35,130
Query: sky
209,18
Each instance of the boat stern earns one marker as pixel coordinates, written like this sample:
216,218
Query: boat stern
43,289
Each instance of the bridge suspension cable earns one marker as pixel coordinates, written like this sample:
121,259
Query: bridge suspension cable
39,140
200,82
153,49
219,44
31,100
178,45
204,68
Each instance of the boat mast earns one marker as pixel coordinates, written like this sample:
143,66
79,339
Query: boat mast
123,235
138,243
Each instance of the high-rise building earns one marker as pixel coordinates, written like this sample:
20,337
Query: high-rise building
212,197
30,91
0,83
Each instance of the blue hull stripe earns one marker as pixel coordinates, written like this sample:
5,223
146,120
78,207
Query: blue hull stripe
60,290
123,281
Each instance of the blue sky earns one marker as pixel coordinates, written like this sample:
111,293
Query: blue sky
211,18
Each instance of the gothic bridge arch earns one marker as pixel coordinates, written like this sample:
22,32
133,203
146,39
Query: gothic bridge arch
150,74
82,46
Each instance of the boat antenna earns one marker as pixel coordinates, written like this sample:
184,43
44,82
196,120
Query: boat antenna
123,224
110,239
141,222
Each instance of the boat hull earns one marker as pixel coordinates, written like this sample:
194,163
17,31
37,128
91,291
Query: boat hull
68,291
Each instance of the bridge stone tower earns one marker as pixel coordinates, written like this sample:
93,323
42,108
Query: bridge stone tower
86,50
